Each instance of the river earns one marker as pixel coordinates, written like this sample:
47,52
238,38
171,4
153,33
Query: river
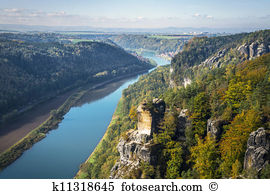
60,154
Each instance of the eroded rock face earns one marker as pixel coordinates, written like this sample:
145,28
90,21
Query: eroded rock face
136,145
133,150
244,49
254,50
258,150
214,127
213,62
150,116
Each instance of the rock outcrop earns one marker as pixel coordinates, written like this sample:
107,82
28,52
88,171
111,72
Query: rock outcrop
213,62
250,51
254,50
136,146
149,115
182,124
187,82
133,149
214,127
258,150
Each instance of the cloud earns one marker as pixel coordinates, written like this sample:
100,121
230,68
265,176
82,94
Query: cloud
202,16
12,10
62,18
59,13
37,17
140,17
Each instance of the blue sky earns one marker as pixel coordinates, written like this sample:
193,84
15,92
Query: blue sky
138,13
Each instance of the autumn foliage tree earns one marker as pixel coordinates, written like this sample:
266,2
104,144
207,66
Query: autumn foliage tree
233,142
205,157
133,115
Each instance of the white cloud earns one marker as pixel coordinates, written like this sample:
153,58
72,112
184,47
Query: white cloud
202,16
59,13
12,10
62,18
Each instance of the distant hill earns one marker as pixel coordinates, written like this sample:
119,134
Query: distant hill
161,44
31,71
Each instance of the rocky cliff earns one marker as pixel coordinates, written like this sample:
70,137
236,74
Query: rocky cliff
136,146
255,49
149,115
257,155
222,57
250,51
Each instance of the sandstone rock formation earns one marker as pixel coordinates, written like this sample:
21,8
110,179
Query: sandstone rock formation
136,145
258,150
250,51
149,115
214,127
213,62
254,50
133,150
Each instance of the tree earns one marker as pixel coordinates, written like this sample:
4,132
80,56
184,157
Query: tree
233,142
201,112
237,93
133,115
175,161
205,157
167,130
236,169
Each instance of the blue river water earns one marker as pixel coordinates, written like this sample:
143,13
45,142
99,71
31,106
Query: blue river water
60,154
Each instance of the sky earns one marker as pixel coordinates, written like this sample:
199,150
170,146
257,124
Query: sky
138,13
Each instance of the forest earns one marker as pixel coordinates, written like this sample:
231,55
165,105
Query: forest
236,94
147,42
32,71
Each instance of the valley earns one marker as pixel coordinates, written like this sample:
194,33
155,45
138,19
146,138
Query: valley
216,94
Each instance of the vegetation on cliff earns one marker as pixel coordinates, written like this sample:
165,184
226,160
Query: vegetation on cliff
198,49
105,155
236,93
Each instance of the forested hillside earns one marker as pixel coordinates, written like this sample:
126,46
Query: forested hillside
226,48
210,122
155,43
32,71
105,155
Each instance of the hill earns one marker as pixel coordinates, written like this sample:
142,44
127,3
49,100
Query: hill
34,71
217,103
166,45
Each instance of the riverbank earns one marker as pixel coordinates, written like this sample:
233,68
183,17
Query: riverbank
103,157
81,173
86,93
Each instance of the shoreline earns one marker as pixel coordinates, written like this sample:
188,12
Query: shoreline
34,135
115,115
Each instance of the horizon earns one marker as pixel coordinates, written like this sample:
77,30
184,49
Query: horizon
164,30
243,15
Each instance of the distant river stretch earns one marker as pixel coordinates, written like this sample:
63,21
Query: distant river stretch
60,154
